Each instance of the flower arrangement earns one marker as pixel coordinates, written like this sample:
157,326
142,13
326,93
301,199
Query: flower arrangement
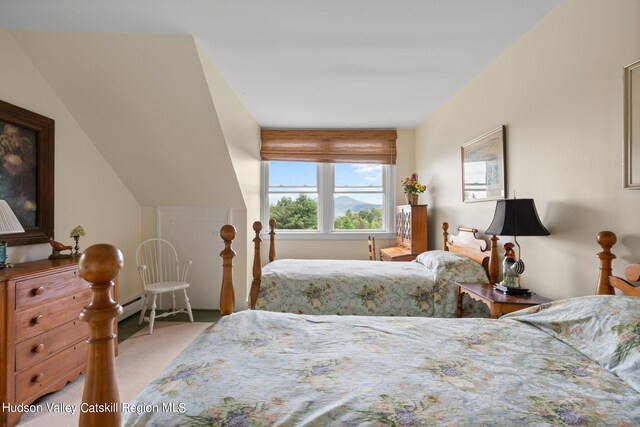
412,186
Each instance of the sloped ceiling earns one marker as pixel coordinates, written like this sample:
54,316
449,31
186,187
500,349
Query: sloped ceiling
312,63
145,103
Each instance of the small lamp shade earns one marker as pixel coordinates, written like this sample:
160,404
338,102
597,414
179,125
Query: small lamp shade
8,221
516,217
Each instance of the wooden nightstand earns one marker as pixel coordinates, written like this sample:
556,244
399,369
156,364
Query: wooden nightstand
497,302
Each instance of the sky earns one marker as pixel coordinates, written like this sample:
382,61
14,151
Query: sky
298,174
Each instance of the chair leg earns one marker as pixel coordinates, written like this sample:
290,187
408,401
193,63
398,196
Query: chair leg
152,316
173,301
186,301
144,308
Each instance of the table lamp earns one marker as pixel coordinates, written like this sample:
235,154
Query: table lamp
8,224
515,217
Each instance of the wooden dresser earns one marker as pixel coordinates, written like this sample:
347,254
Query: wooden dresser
411,234
42,339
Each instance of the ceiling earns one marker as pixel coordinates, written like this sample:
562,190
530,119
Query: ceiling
316,64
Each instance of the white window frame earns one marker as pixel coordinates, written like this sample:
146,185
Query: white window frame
326,180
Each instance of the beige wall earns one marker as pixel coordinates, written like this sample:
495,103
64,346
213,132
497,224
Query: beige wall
242,135
559,91
357,248
87,190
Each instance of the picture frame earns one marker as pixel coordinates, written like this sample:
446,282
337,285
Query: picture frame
632,126
483,167
27,172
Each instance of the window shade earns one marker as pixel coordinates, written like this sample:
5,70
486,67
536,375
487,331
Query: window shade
329,146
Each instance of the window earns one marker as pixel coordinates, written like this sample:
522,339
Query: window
328,198
328,182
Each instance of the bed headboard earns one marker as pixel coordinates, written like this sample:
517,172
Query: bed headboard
466,243
606,281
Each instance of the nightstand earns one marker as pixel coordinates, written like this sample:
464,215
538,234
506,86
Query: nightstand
497,302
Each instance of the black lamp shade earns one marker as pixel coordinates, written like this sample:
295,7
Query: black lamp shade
516,217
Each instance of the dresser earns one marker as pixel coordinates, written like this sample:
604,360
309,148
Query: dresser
42,339
410,228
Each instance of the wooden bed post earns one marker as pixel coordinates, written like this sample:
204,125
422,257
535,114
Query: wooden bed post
272,239
494,261
445,236
606,239
100,265
257,266
227,297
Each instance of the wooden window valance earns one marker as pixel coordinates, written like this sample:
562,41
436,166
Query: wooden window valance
329,146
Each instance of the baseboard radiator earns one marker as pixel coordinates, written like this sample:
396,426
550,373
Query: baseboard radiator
131,307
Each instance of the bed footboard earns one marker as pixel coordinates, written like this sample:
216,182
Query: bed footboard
100,265
227,296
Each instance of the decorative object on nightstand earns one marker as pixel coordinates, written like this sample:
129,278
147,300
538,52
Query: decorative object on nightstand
515,217
412,188
57,248
76,233
8,224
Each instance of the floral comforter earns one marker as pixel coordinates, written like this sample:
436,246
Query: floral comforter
257,368
424,287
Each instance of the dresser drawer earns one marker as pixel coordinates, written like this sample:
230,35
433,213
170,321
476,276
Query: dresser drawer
31,381
37,290
44,317
40,347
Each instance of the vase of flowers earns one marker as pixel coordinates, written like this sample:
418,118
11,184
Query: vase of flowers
412,188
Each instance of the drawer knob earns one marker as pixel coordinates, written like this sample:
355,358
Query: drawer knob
39,291
37,378
38,348
37,320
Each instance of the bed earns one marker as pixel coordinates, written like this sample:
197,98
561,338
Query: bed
570,362
424,287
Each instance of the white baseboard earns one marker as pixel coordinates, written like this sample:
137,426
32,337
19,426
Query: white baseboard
130,308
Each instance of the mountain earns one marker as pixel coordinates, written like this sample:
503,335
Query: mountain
344,203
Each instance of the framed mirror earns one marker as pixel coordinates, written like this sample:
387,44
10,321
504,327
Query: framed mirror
483,168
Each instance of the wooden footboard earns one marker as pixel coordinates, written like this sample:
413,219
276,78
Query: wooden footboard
257,261
100,265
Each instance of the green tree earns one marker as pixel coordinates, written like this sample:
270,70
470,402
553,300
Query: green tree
298,214
366,219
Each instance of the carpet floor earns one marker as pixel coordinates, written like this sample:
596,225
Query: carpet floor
140,359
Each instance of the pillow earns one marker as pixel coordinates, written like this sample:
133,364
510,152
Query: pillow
605,328
445,264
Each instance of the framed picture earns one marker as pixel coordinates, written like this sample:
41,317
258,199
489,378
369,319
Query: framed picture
632,126
483,169
26,172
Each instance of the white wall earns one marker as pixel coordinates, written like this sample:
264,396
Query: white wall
87,190
559,91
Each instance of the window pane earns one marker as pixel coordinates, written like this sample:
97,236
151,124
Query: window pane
358,211
293,174
355,174
294,211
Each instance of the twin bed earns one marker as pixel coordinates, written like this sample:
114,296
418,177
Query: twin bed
571,362
424,287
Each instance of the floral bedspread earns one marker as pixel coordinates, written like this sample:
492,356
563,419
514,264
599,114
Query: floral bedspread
258,368
373,288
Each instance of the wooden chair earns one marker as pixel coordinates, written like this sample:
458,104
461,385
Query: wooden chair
372,248
161,272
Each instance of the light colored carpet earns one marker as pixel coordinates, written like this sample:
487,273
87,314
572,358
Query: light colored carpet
140,359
